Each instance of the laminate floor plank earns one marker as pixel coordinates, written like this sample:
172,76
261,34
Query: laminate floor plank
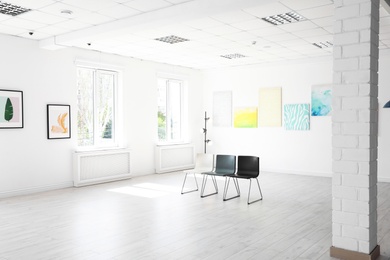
147,218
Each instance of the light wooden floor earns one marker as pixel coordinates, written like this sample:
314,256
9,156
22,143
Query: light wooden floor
147,218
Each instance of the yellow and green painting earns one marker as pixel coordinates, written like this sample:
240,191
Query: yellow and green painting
245,117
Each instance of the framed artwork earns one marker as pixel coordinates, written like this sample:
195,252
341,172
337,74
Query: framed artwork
270,107
11,109
321,100
245,117
58,121
297,117
222,108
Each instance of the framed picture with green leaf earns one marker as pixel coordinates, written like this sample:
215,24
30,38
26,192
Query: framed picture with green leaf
58,121
11,108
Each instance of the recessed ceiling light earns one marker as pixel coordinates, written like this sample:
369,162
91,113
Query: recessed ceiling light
285,18
322,45
171,39
10,9
233,56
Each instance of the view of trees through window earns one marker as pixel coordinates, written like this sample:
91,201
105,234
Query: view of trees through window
169,113
96,106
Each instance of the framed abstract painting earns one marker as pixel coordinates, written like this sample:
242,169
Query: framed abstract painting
58,121
11,109
321,100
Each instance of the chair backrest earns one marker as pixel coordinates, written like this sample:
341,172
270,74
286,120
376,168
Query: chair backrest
225,164
204,162
248,166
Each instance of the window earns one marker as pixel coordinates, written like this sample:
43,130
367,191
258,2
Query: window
172,113
96,107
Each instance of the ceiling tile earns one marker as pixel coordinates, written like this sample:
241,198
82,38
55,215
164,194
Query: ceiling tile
30,4
293,43
305,4
299,26
24,24
36,36
146,6
41,17
281,37
233,17
4,29
251,24
272,30
118,11
178,1
94,18
56,8
53,30
90,5
318,12
325,21
221,30
240,36
311,32
203,23
72,24
268,10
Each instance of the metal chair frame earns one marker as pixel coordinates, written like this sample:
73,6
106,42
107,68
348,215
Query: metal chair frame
219,170
240,175
199,168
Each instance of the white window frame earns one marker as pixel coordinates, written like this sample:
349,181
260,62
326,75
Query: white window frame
183,107
117,123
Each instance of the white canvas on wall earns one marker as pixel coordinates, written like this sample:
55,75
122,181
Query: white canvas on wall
222,108
270,106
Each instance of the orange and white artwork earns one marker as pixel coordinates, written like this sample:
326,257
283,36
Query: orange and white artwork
58,121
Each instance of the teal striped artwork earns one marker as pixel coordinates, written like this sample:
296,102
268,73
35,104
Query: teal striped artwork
297,117
321,100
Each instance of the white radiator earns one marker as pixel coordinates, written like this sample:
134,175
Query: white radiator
100,166
174,158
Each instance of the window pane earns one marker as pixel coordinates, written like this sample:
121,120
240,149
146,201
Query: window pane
85,78
105,106
162,109
174,94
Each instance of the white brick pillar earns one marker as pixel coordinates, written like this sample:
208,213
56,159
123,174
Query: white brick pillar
355,128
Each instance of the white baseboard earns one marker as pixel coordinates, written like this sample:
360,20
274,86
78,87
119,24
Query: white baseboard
31,190
316,174
383,179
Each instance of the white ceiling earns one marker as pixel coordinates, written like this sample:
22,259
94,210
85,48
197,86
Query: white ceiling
213,27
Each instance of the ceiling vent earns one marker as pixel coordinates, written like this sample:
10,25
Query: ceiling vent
171,39
10,9
285,18
322,45
233,56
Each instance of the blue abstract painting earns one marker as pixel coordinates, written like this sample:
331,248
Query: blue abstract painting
321,100
296,117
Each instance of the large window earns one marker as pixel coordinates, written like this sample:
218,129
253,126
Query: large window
96,107
172,113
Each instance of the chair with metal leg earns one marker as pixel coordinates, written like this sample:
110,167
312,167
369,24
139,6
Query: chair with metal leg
224,164
248,168
203,162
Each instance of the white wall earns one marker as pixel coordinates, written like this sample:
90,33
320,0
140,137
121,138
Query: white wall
301,152
384,118
30,162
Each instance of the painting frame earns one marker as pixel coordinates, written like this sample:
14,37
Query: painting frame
58,121
11,101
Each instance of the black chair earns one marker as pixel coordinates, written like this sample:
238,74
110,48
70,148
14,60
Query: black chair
248,168
224,165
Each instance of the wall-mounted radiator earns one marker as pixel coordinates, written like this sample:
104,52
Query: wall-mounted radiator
100,166
171,158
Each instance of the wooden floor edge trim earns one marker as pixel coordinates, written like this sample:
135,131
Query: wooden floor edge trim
353,255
